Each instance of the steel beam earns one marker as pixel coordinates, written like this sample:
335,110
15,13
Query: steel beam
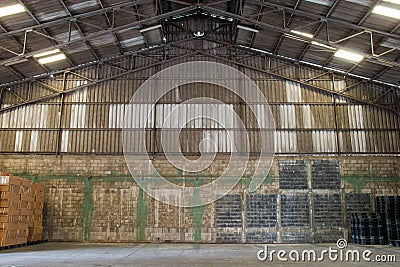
324,19
303,83
101,33
70,90
368,57
138,52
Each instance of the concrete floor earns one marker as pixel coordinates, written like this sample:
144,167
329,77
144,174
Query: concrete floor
171,255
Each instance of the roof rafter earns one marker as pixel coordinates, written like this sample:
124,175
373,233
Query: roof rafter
287,24
368,57
44,30
78,27
101,33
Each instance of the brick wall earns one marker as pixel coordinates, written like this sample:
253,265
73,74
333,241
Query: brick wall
305,199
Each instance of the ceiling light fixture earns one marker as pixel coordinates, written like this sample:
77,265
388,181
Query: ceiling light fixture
397,2
50,59
247,28
11,10
322,45
302,33
198,34
16,62
387,11
47,53
347,55
150,28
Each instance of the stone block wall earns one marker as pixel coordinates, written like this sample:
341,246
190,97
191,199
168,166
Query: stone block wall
304,199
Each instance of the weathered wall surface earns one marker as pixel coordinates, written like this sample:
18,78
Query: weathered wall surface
304,199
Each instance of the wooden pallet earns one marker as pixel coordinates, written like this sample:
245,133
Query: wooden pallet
23,245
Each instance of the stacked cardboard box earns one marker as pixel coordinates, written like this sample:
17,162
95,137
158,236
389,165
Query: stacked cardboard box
35,216
21,206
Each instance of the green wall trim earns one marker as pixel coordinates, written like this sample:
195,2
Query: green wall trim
358,181
87,209
141,216
197,211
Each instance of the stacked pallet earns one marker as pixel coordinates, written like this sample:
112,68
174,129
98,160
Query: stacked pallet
389,209
21,206
367,229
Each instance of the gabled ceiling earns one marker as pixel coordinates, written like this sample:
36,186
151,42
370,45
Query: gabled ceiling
94,30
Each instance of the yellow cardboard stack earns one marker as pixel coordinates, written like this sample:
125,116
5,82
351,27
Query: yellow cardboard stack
36,217
20,210
9,212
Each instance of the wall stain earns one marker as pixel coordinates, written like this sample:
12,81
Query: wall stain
358,181
197,211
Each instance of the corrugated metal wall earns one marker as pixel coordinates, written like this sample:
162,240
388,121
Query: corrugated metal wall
307,120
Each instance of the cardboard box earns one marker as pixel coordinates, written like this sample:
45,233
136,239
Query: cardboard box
22,233
23,204
9,180
22,240
9,188
24,211
25,197
9,211
37,218
7,242
37,212
10,234
9,218
8,203
9,195
9,226
37,224
25,182
35,234
23,218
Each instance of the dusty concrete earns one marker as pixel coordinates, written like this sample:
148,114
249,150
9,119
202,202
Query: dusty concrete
171,255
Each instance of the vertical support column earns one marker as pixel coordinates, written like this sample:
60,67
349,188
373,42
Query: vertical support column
244,216
335,114
344,212
311,202
60,115
278,217
1,97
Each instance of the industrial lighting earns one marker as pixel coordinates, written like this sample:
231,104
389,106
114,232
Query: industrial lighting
16,62
302,33
150,28
387,11
55,51
323,45
198,34
397,2
50,59
351,56
247,28
11,10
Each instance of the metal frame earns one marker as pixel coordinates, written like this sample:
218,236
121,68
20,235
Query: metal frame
57,91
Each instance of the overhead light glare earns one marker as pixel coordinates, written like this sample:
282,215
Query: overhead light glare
351,56
50,59
16,62
397,2
247,28
302,33
150,28
387,11
55,51
11,10
323,45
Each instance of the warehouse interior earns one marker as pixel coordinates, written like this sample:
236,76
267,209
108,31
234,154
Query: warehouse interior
302,93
